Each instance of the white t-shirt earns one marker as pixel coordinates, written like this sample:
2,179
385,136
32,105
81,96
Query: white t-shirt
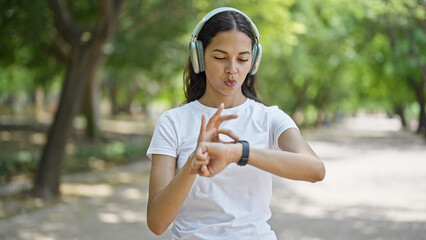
234,204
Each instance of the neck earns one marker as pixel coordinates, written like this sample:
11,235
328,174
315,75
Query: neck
229,101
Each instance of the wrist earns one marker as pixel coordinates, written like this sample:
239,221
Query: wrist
237,152
187,168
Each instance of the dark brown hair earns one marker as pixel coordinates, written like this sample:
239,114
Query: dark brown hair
195,84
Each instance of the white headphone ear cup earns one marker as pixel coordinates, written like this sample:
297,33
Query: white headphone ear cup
253,57
256,57
194,56
200,54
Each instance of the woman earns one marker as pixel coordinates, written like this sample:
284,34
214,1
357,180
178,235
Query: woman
204,179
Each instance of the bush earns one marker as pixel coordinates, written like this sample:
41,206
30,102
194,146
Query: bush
85,158
17,163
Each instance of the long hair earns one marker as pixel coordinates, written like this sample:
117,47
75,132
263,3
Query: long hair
195,84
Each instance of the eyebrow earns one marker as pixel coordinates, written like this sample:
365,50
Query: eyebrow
221,51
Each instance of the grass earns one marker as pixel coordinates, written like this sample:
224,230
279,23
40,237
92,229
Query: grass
19,157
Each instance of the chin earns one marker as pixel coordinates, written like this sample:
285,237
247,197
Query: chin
230,91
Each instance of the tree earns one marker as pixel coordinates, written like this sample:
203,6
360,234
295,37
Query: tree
406,30
312,78
402,24
355,54
85,56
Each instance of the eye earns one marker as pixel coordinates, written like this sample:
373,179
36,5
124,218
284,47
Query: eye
243,60
219,58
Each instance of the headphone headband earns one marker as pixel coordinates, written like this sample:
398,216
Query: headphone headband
219,10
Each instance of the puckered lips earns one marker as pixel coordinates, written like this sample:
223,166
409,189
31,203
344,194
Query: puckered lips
230,83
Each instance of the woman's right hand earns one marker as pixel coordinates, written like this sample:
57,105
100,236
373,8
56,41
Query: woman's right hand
211,131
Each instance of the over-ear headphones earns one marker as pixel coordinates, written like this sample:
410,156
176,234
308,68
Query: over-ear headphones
196,49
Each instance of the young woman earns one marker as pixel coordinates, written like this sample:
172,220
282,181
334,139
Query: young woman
213,180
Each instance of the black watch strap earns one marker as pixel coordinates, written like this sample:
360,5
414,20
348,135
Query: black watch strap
246,150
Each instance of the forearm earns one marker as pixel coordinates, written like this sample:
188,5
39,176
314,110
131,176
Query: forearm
296,166
165,205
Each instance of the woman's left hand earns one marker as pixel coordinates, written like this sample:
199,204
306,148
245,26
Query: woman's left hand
216,156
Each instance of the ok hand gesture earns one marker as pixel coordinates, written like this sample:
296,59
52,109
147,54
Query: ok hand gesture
209,133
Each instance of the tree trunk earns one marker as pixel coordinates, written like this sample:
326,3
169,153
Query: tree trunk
82,64
39,104
399,110
91,108
114,101
320,118
419,90
422,116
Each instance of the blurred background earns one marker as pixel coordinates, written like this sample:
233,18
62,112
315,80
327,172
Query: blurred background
83,82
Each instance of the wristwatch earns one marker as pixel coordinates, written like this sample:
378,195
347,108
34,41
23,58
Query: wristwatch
245,156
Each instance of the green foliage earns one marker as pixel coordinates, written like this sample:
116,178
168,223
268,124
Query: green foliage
16,163
392,54
327,55
25,60
312,73
346,59
149,50
85,12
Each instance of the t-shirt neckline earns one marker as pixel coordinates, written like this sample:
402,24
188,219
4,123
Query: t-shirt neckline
208,109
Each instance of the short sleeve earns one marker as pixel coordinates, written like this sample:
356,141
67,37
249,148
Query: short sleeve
280,122
164,138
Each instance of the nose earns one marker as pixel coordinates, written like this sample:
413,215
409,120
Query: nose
231,67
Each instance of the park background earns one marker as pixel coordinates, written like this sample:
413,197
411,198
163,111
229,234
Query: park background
82,83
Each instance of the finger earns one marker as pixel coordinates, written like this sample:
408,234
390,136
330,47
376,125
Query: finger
200,156
197,165
227,117
229,133
204,171
198,162
203,128
216,116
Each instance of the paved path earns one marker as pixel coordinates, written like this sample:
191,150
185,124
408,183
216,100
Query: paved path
375,188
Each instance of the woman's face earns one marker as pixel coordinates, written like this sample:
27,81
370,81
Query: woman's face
227,62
